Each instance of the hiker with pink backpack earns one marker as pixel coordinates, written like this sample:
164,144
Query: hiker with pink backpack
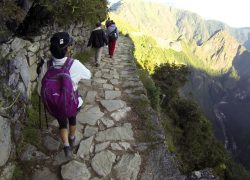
57,85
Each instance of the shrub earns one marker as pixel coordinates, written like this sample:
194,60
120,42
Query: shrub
153,92
65,12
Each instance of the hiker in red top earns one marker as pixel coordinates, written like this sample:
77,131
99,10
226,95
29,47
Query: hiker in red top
113,34
57,84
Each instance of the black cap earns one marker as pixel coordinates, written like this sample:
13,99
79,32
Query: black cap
61,39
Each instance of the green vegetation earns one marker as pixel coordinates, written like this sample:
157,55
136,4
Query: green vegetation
189,134
18,173
10,11
84,56
31,133
233,74
149,55
153,92
142,108
74,11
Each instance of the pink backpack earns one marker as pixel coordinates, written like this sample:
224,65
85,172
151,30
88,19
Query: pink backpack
58,95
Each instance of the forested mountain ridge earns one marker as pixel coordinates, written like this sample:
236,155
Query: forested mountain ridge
162,20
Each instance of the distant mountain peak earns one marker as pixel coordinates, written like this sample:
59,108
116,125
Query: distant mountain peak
219,51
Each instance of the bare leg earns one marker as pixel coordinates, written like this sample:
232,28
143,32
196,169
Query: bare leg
64,135
72,130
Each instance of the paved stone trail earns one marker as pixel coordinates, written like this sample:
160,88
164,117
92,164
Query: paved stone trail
107,146
104,136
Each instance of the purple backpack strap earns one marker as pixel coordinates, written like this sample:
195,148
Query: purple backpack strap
49,63
68,63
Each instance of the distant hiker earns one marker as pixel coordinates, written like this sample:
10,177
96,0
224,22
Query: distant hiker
57,85
113,35
97,40
108,22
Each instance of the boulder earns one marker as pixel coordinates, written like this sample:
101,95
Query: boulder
5,140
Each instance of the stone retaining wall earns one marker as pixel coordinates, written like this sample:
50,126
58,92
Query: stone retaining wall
27,53
19,58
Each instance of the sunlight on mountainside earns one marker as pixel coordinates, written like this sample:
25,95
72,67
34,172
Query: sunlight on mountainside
145,18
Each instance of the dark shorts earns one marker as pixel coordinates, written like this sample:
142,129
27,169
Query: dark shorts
63,123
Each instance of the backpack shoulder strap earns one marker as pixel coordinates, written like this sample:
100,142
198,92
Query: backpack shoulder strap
68,63
112,32
49,63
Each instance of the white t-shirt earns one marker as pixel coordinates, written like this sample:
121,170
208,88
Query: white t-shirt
77,72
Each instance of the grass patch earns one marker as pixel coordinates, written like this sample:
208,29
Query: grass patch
169,130
144,111
153,92
18,173
84,56
31,132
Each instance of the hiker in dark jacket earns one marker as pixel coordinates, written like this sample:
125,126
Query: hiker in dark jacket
98,39
113,35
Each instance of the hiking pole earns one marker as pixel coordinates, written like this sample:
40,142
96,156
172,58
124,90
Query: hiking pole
46,117
40,119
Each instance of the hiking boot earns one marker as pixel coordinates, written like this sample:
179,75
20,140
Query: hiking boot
66,150
72,141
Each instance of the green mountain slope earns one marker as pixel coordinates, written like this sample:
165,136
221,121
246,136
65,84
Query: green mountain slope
204,46
161,20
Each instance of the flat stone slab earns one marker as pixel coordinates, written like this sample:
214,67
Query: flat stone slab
132,84
108,86
51,144
116,147
75,170
85,82
101,146
90,98
60,158
102,162
98,74
128,167
116,133
44,174
112,105
125,145
112,94
107,122
100,81
90,131
84,147
114,81
32,154
121,113
5,140
107,76
90,116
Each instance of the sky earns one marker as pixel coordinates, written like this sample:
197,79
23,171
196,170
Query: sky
234,13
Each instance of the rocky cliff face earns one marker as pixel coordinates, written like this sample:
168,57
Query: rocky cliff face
219,51
9,22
